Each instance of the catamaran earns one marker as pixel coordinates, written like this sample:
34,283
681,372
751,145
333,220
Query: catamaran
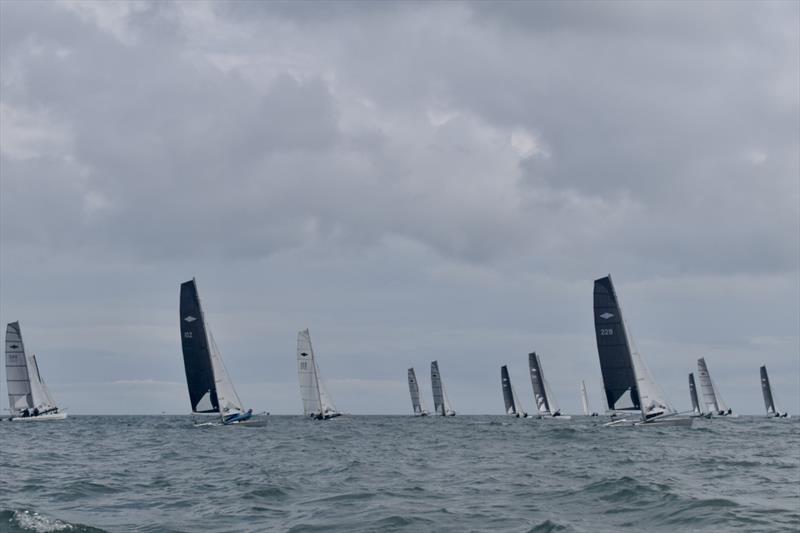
711,396
628,385
317,403
211,390
769,402
543,396
441,403
29,397
413,388
585,401
513,406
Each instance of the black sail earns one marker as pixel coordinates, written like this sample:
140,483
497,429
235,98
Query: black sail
537,381
693,395
769,403
438,393
508,396
196,354
616,362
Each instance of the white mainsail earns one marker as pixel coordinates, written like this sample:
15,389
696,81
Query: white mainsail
584,398
316,400
29,397
520,411
42,399
651,398
709,391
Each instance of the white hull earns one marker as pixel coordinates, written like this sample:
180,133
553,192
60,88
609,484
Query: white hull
559,417
49,416
670,421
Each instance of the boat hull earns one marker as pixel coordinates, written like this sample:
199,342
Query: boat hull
49,416
671,421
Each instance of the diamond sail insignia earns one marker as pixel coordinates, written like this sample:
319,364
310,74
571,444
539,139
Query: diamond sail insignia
210,388
29,398
413,388
627,381
317,403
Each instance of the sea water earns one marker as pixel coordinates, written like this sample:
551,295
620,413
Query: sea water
398,473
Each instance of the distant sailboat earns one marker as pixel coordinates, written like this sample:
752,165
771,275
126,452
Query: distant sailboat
441,404
413,388
542,395
317,403
513,407
769,402
711,396
696,409
585,400
629,387
28,396
211,390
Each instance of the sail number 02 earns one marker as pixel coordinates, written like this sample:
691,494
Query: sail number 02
606,331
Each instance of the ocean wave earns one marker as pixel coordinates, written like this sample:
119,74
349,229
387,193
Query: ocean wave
25,520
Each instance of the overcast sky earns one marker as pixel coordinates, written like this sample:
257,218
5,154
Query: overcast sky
411,181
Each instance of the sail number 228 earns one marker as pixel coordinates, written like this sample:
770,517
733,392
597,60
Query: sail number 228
606,331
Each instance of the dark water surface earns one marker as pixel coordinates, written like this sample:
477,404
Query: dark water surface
366,473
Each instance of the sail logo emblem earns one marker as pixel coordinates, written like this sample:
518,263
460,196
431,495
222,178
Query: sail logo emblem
304,354
606,315
14,346
190,318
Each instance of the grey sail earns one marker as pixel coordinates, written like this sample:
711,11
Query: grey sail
413,388
613,347
707,388
769,402
197,352
436,386
508,395
20,396
693,394
537,381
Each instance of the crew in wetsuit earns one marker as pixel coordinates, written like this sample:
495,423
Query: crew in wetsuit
26,413
35,411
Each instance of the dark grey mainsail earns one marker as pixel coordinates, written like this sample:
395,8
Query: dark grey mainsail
196,352
508,395
537,380
438,393
413,387
693,394
616,362
769,402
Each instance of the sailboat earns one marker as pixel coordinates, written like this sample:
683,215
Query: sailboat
629,387
696,409
441,403
211,390
769,402
413,388
513,406
317,403
711,396
543,396
585,401
28,396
